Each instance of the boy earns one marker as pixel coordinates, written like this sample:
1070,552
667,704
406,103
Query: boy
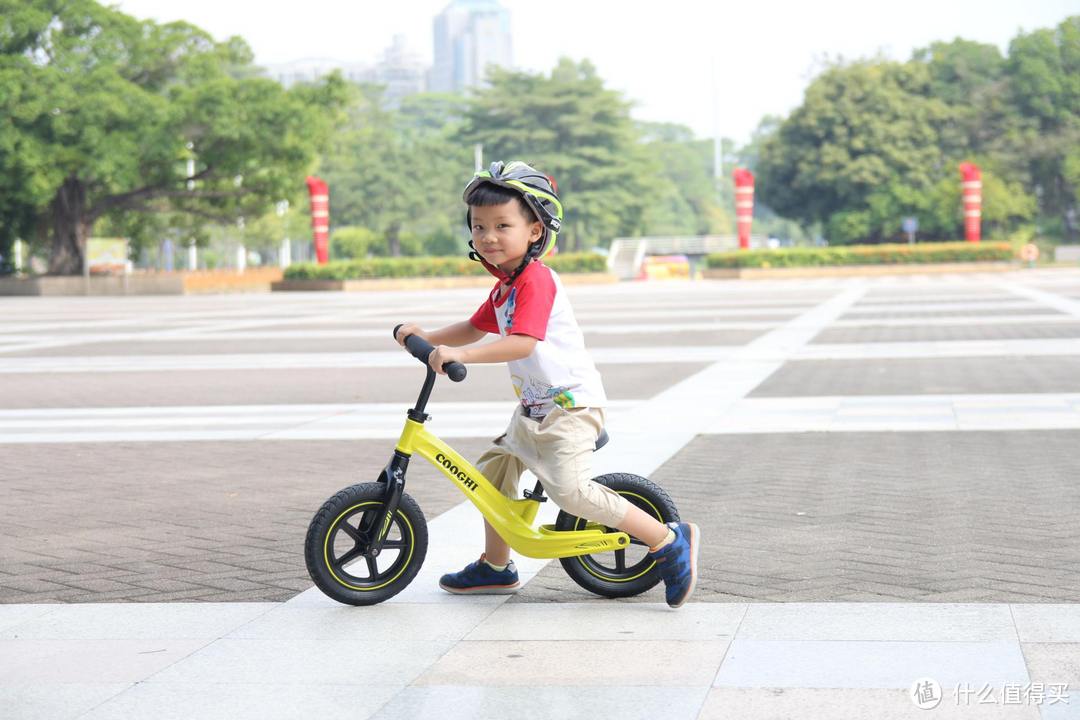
514,215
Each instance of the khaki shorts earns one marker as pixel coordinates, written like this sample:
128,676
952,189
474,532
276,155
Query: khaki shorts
558,450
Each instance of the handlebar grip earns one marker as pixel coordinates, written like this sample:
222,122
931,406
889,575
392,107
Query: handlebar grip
421,349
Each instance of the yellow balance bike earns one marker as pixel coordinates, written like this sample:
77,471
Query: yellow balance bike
367,542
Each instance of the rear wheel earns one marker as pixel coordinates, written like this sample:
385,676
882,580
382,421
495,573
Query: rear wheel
626,572
337,548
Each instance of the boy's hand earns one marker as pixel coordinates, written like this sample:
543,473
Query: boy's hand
405,331
443,354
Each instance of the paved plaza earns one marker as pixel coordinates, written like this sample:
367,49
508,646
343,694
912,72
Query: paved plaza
885,472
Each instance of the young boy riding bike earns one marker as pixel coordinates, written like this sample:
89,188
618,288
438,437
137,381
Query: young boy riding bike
514,216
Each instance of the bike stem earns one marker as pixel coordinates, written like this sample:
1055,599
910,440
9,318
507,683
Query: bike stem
394,472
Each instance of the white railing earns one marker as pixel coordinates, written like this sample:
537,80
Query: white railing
626,255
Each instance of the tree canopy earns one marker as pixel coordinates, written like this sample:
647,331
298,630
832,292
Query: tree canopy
875,141
106,111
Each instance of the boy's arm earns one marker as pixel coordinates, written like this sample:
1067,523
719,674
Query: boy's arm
511,347
456,335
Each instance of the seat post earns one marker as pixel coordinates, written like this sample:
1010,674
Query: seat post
537,493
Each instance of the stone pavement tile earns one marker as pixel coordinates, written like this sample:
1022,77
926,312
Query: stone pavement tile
135,621
304,660
934,333
238,513
922,376
877,622
1047,623
89,661
1057,665
861,664
615,621
584,662
54,701
529,702
672,339
254,701
846,704
384,622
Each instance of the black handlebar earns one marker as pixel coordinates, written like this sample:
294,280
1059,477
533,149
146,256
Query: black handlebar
421,349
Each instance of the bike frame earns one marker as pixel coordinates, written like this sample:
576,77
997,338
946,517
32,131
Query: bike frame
512,519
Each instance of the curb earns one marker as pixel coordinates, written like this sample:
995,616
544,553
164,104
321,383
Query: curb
424,283
853,270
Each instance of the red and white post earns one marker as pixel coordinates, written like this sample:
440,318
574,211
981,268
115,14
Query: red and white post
744,205
971,187
320,217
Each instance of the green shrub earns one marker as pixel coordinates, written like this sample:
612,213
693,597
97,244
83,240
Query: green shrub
411,267
352,243
863,255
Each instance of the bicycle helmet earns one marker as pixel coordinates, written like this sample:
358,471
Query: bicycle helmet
538,192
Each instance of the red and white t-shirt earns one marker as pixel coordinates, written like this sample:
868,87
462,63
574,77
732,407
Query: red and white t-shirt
559,371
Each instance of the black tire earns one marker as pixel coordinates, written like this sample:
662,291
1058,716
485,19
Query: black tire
622,573
340,522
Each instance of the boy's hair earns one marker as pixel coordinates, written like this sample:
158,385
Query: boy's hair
488,194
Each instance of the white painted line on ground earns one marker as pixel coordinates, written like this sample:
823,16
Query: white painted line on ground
1042,297
902,413
382,421
939,349
917,307
602,355
955,320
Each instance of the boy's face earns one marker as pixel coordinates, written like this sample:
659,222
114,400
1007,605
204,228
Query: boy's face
502,234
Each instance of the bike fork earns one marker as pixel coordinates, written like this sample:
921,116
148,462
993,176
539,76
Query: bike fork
393,475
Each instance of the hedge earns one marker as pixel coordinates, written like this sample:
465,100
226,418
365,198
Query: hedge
410,267
863,255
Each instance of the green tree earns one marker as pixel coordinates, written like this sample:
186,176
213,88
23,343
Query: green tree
106,111
1044,75
399,173
683,195
568,125
863,147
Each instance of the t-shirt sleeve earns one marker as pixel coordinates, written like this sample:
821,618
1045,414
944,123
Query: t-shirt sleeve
484,317
533,304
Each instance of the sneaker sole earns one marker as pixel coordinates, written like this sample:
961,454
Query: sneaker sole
483,589
694,536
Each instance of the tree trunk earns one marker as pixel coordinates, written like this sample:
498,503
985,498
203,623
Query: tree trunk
393,238
70,227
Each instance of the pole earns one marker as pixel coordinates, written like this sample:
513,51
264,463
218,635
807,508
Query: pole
478,156
971,188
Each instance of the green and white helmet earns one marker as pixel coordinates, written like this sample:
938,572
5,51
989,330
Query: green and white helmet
538,192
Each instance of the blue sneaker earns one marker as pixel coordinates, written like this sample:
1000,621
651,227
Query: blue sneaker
479,578
677,562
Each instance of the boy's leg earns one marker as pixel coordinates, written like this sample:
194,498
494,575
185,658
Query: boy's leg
493,573
643,526
565,449
496,550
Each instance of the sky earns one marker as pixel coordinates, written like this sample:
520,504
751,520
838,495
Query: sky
716,66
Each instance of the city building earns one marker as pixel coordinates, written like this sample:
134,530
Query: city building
469,36
400,71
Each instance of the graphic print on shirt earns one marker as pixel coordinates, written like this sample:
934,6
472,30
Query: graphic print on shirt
536,394
508,313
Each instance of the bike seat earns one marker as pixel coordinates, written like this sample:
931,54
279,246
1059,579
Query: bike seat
601,439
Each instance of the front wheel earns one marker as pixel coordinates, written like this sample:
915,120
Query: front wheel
338,542
621,573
